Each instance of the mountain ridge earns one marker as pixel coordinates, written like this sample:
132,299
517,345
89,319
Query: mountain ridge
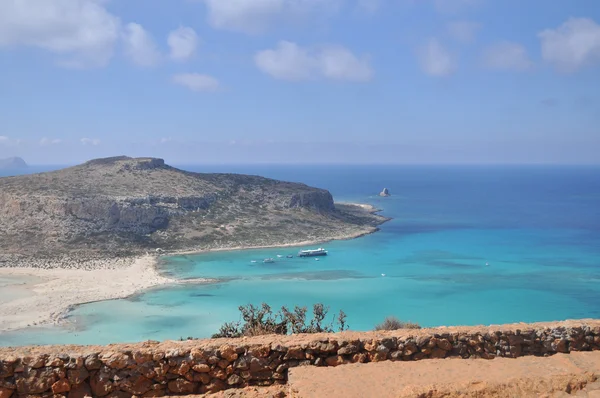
122,206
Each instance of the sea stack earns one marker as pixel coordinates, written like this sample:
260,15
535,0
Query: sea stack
385,192
12,164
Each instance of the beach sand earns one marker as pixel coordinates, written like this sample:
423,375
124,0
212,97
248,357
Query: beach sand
43,293
48,294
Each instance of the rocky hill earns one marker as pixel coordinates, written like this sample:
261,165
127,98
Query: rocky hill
12,163
125,206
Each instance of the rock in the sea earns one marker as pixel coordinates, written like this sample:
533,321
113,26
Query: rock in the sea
385,192
12,164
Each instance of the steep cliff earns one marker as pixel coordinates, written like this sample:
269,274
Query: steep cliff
122,206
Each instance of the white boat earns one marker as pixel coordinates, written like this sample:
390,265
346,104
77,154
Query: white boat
252,261
268,260
279,256
311,253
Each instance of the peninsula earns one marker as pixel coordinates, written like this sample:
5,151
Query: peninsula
70,227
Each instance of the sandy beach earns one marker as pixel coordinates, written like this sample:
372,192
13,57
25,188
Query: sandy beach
43,293
51,292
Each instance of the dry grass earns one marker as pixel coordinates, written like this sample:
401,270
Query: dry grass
393,323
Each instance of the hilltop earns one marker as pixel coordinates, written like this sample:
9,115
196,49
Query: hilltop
12,163
123,207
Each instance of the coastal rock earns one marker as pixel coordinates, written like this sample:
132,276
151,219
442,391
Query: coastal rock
385,192
13,163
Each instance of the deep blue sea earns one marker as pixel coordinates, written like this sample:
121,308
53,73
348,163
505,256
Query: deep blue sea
467,245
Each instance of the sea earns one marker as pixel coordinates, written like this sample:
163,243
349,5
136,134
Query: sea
466,245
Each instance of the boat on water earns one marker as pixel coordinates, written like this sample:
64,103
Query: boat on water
312,253
268,260
289,256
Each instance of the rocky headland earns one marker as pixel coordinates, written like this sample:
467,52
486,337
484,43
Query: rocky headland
12,164
94,231
126,207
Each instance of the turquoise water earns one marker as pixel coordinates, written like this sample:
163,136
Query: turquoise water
467,245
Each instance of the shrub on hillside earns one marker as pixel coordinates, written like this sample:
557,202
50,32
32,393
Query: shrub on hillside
393,323
262,320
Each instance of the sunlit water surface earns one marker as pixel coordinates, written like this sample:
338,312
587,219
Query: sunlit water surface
467,245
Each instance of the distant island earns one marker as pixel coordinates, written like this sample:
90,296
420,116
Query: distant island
125,207
12,163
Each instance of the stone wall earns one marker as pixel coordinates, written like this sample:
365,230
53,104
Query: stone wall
176,368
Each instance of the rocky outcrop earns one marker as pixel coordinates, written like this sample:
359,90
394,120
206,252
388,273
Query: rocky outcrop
12,164
385,192
123,206
179,368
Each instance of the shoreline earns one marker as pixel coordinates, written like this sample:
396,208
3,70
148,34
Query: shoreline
370,230
57,291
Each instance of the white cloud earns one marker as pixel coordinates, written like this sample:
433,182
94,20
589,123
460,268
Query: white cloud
183,43
139,45
506,55
574,44
436,60
252,16
82,32
90,141
291,62
47,141
463,31
196,82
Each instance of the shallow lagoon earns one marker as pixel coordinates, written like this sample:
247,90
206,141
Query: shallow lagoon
536,228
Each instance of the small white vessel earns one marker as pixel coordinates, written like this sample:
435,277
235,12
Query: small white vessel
279,256
316,259
310,253
382,274
268,260
252,261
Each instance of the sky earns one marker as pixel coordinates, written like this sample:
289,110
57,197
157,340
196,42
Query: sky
301,81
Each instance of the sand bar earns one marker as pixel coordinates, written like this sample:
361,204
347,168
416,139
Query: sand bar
51,292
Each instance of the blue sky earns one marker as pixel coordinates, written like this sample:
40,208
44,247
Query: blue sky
290,81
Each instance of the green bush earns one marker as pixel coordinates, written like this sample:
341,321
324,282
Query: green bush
262,320
393,323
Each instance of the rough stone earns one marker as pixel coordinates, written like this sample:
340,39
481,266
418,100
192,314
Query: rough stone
201,368
5,392
35,381
228,352
77,376
182,386
80,391
101,384
61,386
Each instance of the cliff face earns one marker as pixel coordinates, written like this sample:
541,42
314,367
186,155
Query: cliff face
122,205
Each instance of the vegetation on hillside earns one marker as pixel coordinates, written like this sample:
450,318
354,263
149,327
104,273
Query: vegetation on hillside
393,323
262,320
